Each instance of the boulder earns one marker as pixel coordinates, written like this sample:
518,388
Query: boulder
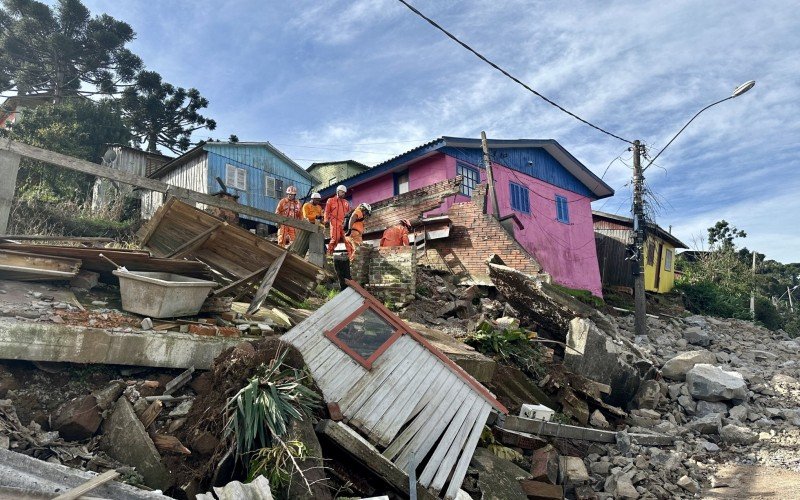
498,479
710,407
697,336
712,383
126,440
677,367
77,419
689,484
709,424
738,435
738,413
648,395
620,486
598,420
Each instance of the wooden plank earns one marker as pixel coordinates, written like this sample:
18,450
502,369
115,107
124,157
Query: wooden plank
368,456
23,266
234,285
169,444
9,167
41,237
79,491
299,246
151,413
540,427
466,453
195,242
179,381
316,249
431,412
266,284
451,442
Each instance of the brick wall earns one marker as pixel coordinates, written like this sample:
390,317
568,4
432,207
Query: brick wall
474,236
389,273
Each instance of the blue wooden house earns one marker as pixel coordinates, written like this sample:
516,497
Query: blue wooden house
257,172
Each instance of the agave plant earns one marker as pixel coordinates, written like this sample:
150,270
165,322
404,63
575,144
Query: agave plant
262,411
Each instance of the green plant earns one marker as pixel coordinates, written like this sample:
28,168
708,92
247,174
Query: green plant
276,462
584,296
423,291
261,412
511,345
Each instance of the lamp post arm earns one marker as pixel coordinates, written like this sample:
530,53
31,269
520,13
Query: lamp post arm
684,128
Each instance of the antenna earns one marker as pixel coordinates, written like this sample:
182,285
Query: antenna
109,156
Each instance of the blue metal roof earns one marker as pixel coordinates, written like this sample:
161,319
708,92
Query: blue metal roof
572,174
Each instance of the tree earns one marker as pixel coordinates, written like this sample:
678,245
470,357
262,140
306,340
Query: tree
159,113
722,234
55,50
76,127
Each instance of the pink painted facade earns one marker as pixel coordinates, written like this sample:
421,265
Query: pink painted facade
565,250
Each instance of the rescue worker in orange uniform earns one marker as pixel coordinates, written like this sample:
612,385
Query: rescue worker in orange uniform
357,225
336,209
312,210
397,235
288,207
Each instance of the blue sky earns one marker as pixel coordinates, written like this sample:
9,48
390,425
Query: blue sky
366,79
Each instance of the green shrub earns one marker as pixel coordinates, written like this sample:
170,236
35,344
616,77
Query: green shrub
768,315
704,297
584,296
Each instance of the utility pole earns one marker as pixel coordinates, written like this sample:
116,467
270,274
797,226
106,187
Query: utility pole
791,305
487,162
753,291
640,303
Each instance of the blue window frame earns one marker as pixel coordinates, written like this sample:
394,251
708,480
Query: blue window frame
401,183
519,198
471,178
562,209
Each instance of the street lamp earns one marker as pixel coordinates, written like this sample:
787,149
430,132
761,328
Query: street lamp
640,317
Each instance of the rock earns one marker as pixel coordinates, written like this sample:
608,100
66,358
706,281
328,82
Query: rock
738,435
783,379
623,442
620,487
77,419
106,396
182,409
689,405
204,443
711,383
648,395
600,468
697,336
497,478
689,484
677,367
544,465
147,324
572,472
7,382
85,279
507,323
709,424
738,413
708,407
598,420
710,447
125,439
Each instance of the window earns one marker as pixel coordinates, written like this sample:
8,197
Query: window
274,187
235,178
471,178
333,181
651,253
519,198
562,209
364,336
401,183
668,261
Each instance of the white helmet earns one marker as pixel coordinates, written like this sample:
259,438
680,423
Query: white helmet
366,207
291,190
342,188
316,196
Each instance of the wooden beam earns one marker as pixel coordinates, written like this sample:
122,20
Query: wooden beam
18,149
236,284
38,237
266,283
195,242
79,491
9,166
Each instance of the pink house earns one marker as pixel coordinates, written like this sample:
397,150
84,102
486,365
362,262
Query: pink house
541,183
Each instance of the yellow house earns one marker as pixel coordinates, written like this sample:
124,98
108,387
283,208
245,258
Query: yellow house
614,234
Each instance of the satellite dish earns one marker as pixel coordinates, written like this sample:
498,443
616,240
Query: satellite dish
109,156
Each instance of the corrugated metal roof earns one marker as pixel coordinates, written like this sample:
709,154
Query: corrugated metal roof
258,489
664,235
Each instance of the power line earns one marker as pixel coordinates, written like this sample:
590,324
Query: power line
506,73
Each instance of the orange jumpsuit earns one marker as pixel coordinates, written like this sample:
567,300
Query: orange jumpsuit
335,211
287,208
395,236
311,212
357,227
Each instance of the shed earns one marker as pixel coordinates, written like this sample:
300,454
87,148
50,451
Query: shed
402,393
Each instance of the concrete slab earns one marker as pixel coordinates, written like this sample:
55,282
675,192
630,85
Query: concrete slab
22,476
55,342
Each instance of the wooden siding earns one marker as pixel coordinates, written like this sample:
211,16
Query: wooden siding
259,162
611,252
192,175
409,404
128,160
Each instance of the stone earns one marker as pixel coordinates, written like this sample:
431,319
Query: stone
711,383
126,440
85,279
709,424
710,447
545,465
507,323
7,382
688,404
738,412
77,419
147,324
735,434
689,484
498,479
708,407
648,395
697,336
598,420
572,472
600,468
107,396
620,487
204,443
677,367
182,409
623,442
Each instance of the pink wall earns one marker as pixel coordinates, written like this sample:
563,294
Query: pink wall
565,251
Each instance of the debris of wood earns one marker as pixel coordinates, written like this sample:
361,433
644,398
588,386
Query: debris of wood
88,486
266,284
169,444
179,381
537,490
216,305
168,399
233,252
24,266
151,413
516,439
39,237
